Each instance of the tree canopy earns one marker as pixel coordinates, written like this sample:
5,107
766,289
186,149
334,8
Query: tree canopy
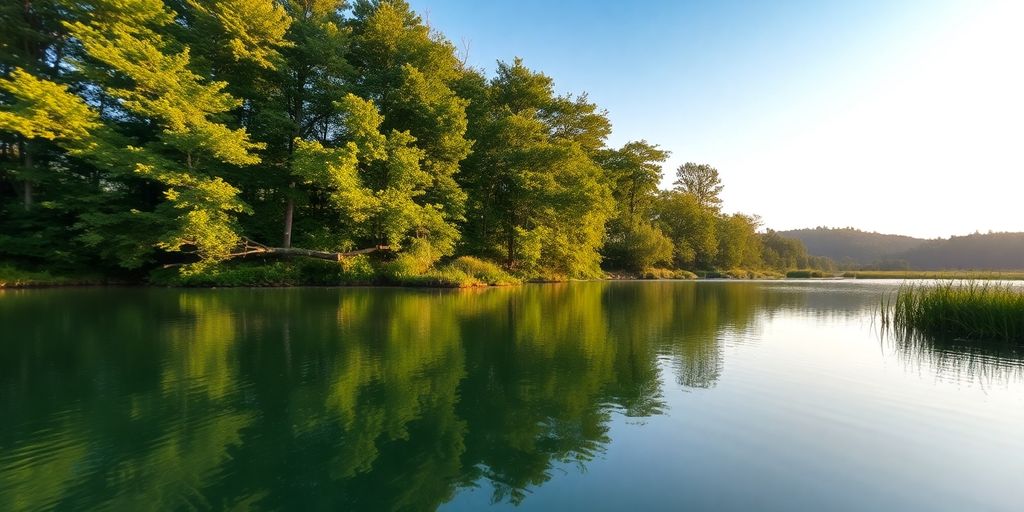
137,134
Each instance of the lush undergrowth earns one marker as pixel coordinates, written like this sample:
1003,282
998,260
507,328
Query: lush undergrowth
12,277
664,273
957,309
463,272
740,273
934,274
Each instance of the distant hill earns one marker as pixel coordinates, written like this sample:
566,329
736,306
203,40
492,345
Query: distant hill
853,248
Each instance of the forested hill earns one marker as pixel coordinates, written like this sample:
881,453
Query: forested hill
851,247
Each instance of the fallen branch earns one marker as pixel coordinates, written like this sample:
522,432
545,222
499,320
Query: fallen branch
249,247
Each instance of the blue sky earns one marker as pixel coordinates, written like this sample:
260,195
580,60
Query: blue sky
845,113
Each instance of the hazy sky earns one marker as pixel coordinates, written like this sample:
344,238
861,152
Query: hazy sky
893,116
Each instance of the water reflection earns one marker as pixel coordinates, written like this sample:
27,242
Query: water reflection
360,399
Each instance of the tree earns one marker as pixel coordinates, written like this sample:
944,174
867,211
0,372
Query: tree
702,181
783,253
691,227
407,70
138,69
738,243
542,201
634,172
637,248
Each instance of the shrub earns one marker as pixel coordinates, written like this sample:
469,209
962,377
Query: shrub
664,273
484,271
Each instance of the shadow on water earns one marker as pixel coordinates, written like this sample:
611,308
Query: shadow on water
363,399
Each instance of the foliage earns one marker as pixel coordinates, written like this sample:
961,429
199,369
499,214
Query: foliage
484,271
701,181
13,277
138,135
958,309
665,273
638,248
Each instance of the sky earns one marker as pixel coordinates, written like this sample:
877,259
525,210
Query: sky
896,116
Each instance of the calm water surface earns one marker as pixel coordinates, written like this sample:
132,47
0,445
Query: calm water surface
582,396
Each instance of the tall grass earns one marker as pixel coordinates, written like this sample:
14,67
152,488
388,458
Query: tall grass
969,310
935,274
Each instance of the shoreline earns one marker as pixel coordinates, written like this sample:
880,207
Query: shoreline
101,283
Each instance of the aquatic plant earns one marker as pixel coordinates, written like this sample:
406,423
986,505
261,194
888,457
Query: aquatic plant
969,310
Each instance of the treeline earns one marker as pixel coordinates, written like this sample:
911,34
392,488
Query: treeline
853,249
137,134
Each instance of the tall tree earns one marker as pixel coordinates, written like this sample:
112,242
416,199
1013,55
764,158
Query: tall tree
543,201
690,226
702,181
141,77
407,70
634,170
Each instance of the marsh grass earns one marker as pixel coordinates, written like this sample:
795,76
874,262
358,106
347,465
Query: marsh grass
934,274
958,310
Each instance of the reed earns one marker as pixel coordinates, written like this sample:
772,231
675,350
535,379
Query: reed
968,310
935,274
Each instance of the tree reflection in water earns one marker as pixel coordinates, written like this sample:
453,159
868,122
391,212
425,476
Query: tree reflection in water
368,399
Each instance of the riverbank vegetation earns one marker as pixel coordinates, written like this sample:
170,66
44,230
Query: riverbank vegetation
968,310
234,143
938,275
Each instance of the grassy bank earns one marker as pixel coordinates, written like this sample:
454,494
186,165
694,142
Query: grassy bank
739,273
12,277
935,274
971,310
463,272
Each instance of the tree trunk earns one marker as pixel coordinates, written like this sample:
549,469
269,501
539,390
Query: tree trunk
289,212
252,248
26,182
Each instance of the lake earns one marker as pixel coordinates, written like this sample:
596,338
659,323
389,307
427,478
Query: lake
579,396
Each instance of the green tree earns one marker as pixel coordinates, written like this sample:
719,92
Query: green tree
542,201
691,226
738,243
702,181
783,253
142,78
634,171
407,70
